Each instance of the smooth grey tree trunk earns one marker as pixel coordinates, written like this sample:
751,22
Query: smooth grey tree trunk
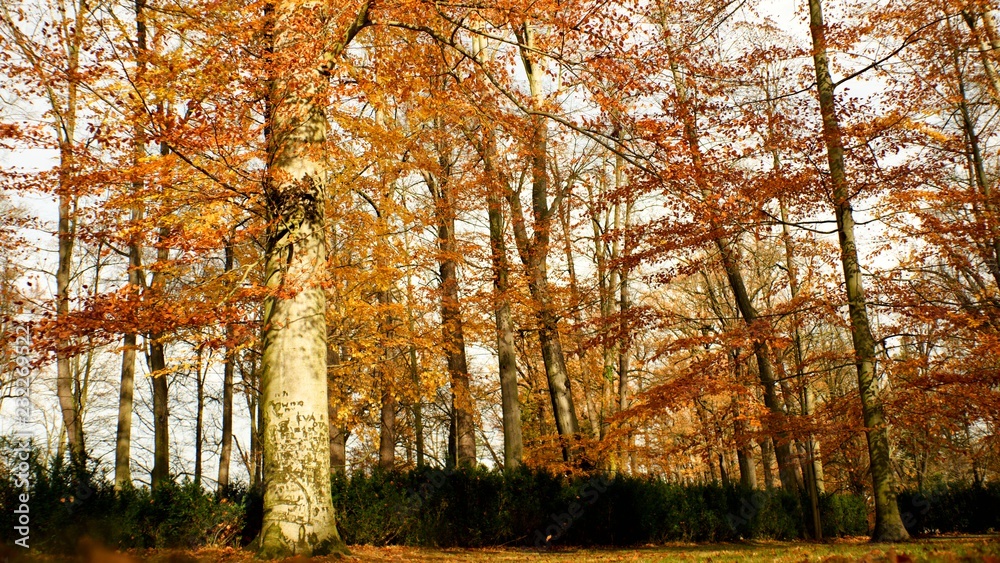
534,255
298,507
513,445
228,370
888,524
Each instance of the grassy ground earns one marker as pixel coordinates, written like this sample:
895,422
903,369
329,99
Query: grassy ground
944,549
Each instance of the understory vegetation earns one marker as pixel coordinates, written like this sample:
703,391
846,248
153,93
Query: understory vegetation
467,508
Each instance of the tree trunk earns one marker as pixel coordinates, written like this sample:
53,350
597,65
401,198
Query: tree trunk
199,418
513,445
336,398
534,255
607,280
624,304
417,407
228,369
888,525
744,452
158,367
463,405
123,435
161,426
298,507
767,462
387,430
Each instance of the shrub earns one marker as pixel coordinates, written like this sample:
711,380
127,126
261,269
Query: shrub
476,507
951,508
66,505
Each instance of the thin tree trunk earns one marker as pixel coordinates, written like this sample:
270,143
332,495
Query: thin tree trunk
158,368
593,414
228,369
767,461
463,405
607,280
624,304
418,414
534,254
336,398
812,467
513,446
66,131
888,525
123,435
199,417
387,431
744,452
161,428
387,409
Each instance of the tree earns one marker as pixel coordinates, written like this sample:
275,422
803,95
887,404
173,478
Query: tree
298,509
888,525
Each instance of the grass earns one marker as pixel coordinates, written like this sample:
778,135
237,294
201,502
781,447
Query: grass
945,549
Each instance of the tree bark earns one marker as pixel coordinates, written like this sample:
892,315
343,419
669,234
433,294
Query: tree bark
453,332
161,415
888,525
534,255
298,507
513,445
199,417
387,430
228,369
744,452
158,368
767,461
66,131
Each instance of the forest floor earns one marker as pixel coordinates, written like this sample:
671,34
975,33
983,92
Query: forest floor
955,549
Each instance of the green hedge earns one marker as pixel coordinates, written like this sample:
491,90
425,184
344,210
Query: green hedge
477,507
432,507
951,508
66,505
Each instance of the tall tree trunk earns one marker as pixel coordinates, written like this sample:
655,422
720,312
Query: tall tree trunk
123,436
298,507
66,132
158,367
199,417
624,304
453,332
767,461
744,452
336,398
607,280
812,467
513,446
593,414
228,369
534,255
387,430
387,413
417,407
161,415
888,525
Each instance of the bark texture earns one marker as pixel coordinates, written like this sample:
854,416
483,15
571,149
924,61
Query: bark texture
298,508
888,525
